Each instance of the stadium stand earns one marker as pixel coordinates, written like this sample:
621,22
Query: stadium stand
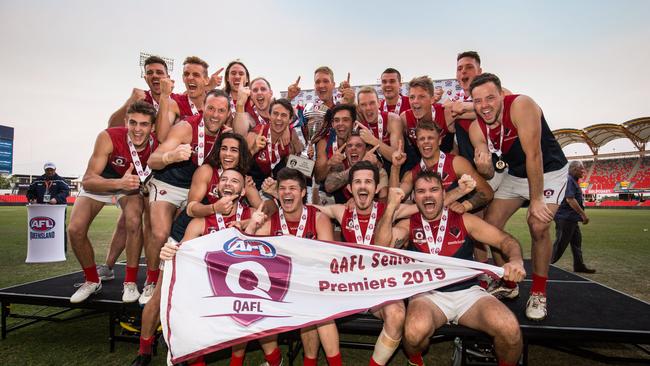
625,174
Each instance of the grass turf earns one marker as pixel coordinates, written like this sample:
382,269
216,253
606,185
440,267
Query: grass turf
614,243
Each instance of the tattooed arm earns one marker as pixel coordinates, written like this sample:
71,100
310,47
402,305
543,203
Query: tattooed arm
337,178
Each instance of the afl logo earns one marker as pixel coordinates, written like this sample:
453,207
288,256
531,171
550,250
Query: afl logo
548,192
41,223
350,225
119,161
247,248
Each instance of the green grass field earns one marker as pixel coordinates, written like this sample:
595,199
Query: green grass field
616,243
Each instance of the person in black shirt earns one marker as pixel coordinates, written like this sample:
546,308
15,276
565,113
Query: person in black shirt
570,213
49,188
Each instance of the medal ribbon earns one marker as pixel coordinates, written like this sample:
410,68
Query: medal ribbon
301,226
142,174
398,106
441,164
370,230
491,145
219,217
272,149
435,247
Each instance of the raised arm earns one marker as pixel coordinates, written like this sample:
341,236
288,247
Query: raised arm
118,118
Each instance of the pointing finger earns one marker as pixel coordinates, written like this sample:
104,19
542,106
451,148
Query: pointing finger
297,81
219,71
372,151
348,78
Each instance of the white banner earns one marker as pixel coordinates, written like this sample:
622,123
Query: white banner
226,288
45,233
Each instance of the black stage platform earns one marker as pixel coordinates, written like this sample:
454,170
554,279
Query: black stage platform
580,311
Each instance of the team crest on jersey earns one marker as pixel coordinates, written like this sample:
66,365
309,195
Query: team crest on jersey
262,155
212,230
455,231
418,234
350,224
119,161
214,190
412,133
548,192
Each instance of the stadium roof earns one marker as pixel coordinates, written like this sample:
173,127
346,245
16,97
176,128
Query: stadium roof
636,130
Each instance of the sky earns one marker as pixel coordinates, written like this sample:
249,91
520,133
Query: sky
66,65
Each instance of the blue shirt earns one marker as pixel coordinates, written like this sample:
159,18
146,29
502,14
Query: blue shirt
565,212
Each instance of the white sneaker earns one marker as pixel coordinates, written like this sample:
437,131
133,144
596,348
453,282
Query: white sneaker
536,307
105,273
147,293
85,290
499,290
130,292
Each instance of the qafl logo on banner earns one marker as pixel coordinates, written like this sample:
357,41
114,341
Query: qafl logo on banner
252,273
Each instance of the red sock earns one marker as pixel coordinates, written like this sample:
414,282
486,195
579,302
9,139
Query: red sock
373,362
274,358
503,363
539,284
417,359
91,274
145,345
237,360
131,274
152,276
199,361
335,360
510,284
306,361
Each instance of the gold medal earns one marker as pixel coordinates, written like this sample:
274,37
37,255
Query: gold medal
500,164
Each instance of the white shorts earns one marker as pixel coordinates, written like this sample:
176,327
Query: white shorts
554,186
108,198
161,191
455,303
496,179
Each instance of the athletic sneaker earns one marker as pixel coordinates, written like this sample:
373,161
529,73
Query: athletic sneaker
266,363
130,292
142,360
105,273
536,307
499,290
85,290
147,293
409,363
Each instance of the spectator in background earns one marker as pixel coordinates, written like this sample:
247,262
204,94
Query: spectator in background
49,188
571,211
